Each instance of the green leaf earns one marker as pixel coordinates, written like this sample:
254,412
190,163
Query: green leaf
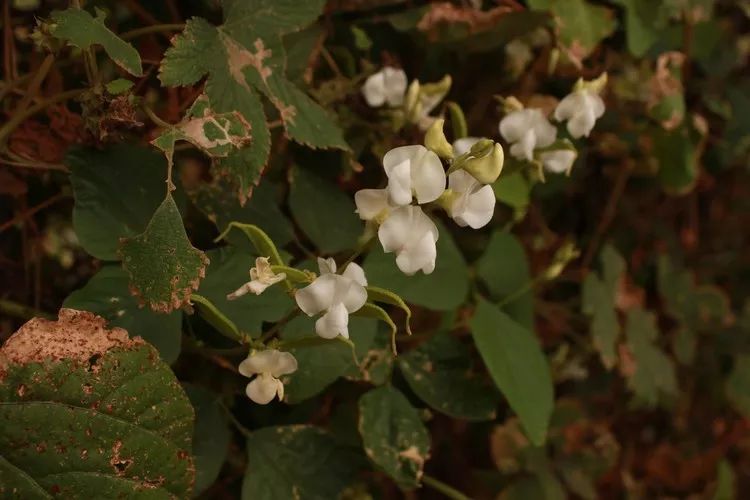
598,300
321,365
726,480
443,290
164,268
117,190
105,419
245,56
507,28
211,437
440,372
513,189
738,384
107,295
653,378
393,436
324,212
81,29
229,269
678,165
504,269
644,21
581,25
518,367
216,134
119,86
297,461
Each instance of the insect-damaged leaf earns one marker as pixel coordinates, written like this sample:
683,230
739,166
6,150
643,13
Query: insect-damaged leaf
245,56
163,266
84,30
122,425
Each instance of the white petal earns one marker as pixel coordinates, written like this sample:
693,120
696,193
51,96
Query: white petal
326,266
478,208
258,362
596,103
463,145
318,295
243,290
263,389
546,133
420,255
569,106
333,323
395,86
354,272
355,297
461,181
401,154
524,149
284,364
581,124
515,125
427,176
399,184
374,90
559,161
394,232
371,202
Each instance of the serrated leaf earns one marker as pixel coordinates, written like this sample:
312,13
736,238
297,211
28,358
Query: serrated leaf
393,436
122,424
164,268
81,29
245,56
296,461
443,290
107,295
116,190
517,365
325,213
653,377
211,437
229,269
322,364
440,373
581,25
504,269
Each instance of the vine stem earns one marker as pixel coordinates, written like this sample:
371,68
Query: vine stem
148,30
19,118
443,488
21,311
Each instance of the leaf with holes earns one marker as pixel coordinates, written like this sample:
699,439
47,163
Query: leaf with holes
164,268
123,425
393,435
245,56
83,30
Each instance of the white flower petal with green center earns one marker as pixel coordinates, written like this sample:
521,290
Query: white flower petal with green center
386,86
526,130
581,109
559,161
371,203
336,296
411,234
413,169
474,204
261,278
263,388
267,366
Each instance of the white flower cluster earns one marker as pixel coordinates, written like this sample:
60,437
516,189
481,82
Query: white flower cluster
527,129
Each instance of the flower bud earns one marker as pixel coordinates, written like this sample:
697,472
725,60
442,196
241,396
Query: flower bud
564,255
412,104
484,161
435,140
595,86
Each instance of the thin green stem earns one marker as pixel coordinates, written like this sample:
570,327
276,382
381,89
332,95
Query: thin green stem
243,430
521,291
21,311
148,30
279,324
154,118
443,488
19,118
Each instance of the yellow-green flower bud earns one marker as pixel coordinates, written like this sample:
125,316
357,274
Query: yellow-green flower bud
412,104
435,140
595,86
485,161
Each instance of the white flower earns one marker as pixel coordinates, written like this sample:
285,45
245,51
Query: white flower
337,295
267,366
527,129
413,169
473,204
581,108
411,235
558,161
463,145
372,204
386,86
261,278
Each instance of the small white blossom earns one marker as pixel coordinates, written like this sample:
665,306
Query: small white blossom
261,277
526,130
412,236
267,366
386,86
337,295
558,161
372,204
413,169
581,109
473,203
